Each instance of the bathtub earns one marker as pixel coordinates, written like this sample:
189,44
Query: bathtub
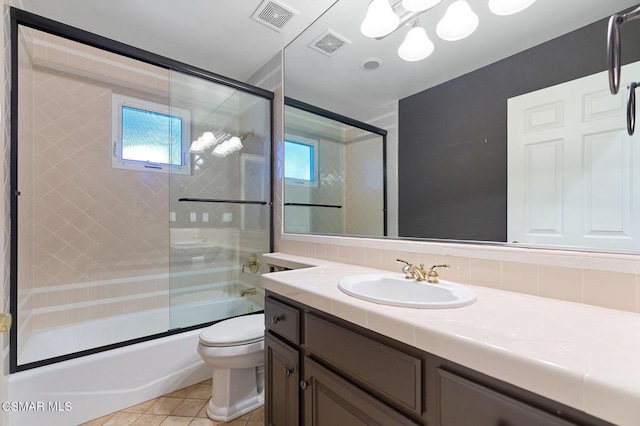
81,389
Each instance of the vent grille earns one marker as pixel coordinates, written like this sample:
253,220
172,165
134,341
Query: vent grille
273,14
328,43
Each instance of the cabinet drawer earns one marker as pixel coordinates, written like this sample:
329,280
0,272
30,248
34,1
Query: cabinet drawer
282,319
463,402
393,374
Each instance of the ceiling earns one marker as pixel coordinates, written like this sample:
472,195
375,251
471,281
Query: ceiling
216,35
220,36
337,83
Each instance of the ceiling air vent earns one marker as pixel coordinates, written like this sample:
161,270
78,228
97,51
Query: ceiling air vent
273,14
328,43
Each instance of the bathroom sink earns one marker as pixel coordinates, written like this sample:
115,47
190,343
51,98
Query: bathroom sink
396,290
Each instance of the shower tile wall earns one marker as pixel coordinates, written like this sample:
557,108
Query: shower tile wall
93,225
25,127
364,187
102,243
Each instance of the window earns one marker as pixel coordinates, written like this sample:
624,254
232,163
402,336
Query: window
149,136
301,160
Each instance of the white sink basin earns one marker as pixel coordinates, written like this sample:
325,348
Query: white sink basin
396,290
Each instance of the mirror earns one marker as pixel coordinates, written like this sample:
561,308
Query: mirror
334,174
451,133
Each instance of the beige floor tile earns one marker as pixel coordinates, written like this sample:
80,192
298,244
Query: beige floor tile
257,415
150,420
189,407
254,423
122,419
140,408
236,422
245,416
181,393
164,405
203,412
176,421
200,392
102,420
204,422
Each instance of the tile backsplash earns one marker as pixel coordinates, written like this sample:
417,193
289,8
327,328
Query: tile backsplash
606,280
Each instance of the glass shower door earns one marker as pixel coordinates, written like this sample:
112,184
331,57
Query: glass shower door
220,209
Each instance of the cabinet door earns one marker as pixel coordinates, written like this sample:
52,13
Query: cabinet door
465,403
281,384
329,400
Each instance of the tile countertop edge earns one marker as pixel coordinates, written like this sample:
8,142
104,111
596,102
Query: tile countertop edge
547,362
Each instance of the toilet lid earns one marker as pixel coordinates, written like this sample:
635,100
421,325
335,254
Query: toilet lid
234,331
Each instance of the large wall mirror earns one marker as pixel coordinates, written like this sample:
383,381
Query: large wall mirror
509,135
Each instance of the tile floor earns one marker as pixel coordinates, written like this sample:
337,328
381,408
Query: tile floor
187,406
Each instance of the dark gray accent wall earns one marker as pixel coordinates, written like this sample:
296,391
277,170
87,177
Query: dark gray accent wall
453,138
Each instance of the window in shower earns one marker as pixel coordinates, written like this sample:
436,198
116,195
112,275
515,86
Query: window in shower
300,160
149,136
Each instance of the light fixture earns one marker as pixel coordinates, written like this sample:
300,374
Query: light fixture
458,22
380,19
509,7
419,5
416,45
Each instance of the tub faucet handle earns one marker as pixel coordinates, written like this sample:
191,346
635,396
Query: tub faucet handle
252,263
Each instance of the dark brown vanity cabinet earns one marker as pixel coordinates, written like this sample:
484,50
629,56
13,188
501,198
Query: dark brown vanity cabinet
324,371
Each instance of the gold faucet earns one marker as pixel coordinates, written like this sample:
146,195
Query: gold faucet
248,292
432,275
411,272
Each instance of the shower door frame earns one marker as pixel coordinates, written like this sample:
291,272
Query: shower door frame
37,22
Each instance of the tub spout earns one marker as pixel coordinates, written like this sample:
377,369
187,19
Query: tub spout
249,291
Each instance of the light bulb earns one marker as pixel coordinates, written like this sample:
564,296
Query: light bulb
458,22
380,19
509,7
419,5
416,45
208,139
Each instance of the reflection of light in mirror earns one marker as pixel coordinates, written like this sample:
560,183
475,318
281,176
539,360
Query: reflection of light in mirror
227,147
380,19
458,22
204,142
509,7
416,45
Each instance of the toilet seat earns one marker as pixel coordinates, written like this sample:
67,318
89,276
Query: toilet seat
235,331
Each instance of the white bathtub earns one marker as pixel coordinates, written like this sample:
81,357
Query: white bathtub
64,340
99,384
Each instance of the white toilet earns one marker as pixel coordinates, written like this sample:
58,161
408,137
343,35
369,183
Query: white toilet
235,350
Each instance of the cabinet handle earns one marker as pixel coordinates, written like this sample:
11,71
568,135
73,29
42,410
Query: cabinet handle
304,384
277,318
288,371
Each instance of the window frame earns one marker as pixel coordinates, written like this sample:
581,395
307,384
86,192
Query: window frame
314,143
117,162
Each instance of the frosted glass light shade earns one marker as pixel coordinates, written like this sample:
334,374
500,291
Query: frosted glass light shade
419,5
380,19
416,45
458,22
509,7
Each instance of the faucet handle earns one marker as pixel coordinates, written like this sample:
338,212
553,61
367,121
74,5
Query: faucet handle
406,269
432,276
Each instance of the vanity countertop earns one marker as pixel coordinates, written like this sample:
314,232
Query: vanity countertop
583,356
